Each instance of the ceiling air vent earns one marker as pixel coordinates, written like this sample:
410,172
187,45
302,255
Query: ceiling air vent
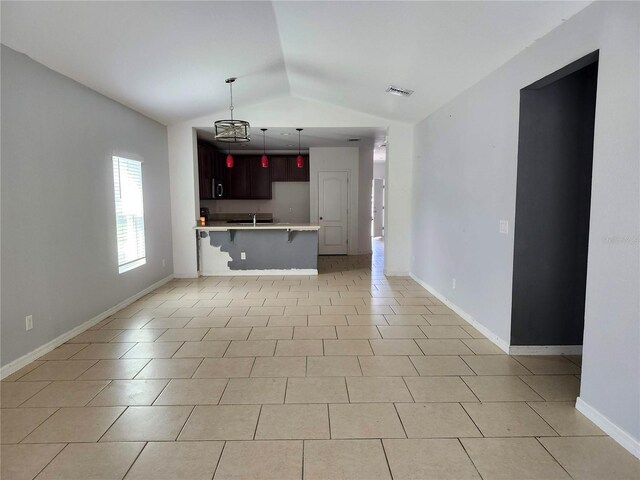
401,92
353,140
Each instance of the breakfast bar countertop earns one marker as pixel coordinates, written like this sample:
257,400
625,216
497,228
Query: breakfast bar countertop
223,226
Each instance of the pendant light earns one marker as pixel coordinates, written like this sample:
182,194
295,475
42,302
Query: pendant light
299,158
232,131
229,159
264,161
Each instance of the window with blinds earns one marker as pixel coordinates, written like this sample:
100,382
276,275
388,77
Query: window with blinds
127,182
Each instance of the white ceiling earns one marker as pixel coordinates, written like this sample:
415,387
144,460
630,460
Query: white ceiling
286,139
169,60
349,52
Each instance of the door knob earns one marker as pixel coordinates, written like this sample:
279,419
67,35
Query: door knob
320,218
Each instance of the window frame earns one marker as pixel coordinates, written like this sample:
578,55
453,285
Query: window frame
129,264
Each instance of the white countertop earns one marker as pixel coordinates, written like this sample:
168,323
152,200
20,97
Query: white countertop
225,227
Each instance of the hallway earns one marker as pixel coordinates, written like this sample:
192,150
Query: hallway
347,375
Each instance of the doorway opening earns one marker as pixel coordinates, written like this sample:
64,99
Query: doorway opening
553,198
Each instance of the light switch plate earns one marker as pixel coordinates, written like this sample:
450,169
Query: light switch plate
504,227
243,256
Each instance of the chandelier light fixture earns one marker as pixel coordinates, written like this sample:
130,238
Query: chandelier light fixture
229,158
299,158
232,131
264,161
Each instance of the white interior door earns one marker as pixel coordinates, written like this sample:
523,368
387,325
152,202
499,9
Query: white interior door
333,211
378,206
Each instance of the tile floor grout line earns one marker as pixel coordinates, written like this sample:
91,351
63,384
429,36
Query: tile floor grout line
135,459
469,456
215,470
386,458
112,423
346,386
395,407
408,389
56,409
255,430
193,408
50,461
482,435
543,419
461,377
553,456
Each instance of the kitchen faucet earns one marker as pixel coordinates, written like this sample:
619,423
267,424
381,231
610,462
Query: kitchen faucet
254,218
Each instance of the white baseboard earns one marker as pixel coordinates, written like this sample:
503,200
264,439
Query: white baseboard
624,438
499,342
396,274
258,273
545,350
26,359
186,275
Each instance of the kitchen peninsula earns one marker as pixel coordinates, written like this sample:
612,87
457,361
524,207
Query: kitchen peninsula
233,249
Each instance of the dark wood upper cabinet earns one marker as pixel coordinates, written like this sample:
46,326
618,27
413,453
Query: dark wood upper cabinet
237,179
259,179
279,166
247,179
206,156
298,174
219,174
284,168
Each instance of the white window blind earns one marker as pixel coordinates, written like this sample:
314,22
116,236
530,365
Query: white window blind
127,181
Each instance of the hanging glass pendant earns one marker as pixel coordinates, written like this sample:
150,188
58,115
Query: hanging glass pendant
299,158
264,160
232,131
229,158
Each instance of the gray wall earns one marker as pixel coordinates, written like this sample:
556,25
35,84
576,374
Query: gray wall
465,182
59,254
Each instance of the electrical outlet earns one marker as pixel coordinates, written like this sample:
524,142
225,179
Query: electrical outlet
504,227
243,255
453,283
290,210
28,321
164,262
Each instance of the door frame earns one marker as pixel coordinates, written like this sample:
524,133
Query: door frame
373,205
348,172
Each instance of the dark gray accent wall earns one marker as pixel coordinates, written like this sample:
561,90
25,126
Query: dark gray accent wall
555,156
268,249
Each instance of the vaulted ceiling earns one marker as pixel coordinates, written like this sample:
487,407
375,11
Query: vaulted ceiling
169,60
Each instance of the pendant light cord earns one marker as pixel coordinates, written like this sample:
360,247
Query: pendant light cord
231,95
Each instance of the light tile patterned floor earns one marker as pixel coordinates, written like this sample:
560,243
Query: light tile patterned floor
348,375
